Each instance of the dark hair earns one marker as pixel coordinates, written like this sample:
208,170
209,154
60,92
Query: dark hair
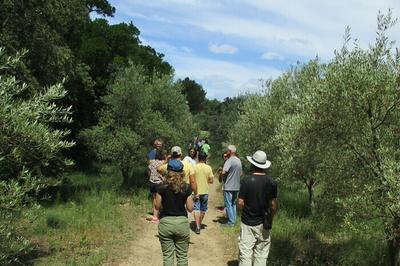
257,169
175,155
193,149
202,156
161,154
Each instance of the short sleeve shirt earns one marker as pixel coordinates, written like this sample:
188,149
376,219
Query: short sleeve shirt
257,193
155,177
206,148
233,168
203,173
189,160
187,168
152,155
174,203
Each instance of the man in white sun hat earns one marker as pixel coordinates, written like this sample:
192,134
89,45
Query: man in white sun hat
258,201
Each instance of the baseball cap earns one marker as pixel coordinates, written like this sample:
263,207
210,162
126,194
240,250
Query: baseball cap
175,165
176,150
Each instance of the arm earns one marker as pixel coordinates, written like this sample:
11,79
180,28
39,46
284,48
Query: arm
241,203
225,169
211,177
193,184
242,194
274,206
189,204
157,203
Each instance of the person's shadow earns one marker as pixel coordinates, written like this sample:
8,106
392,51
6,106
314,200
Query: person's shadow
233,263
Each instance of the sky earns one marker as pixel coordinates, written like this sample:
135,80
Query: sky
231,46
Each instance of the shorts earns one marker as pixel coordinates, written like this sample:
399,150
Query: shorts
201,205
154,187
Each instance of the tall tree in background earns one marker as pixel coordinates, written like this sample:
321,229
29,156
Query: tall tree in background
195,94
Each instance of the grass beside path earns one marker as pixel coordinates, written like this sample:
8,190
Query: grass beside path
91,225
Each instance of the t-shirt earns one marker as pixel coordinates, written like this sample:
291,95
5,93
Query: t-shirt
155,177
233,168
187,168
206,148
203,173
173,204
152,154
189,160
257,193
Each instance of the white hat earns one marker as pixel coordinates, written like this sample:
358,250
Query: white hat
176,150
231,148
259,159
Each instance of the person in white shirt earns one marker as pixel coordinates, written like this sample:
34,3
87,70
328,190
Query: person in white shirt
191,157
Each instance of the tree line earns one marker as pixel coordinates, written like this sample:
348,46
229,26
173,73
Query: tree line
334,127
76,91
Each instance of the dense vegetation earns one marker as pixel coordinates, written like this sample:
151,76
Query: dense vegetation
333,127
76,93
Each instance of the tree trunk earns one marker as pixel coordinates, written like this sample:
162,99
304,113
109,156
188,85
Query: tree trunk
394,251
310,188
125,179
310,183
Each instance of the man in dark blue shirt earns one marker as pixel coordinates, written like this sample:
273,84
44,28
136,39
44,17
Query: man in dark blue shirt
156,146
258,201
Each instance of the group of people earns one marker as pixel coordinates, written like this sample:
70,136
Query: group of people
200,145
180,185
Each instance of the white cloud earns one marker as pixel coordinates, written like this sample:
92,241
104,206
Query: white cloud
272,56
286,30
221,78
222,48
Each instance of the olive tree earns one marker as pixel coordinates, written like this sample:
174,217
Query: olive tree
30,149
139,109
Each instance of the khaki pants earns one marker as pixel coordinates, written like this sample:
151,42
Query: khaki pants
254,244
174,233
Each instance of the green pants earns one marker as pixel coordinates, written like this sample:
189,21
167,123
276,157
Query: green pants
174,234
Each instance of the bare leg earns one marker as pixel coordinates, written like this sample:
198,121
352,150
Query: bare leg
197,217
202,214
155,212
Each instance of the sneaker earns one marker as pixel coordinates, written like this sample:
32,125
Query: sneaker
197,231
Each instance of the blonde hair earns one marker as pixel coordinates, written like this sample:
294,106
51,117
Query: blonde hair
175,181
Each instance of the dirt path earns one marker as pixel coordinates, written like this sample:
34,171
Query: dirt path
208,248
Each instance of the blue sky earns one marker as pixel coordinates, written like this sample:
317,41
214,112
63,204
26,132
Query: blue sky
230,46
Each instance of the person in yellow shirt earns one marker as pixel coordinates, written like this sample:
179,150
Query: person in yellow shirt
204,176
189,174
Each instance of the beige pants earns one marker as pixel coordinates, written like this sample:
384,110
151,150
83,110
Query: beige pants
254,243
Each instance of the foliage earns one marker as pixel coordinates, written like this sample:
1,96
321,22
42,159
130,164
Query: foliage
30,150
195,94
137,110
336,124
64,43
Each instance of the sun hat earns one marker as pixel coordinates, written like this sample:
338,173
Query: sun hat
176,150
175,166
259,159
232,148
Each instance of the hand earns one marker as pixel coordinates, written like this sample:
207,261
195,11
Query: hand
196,197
